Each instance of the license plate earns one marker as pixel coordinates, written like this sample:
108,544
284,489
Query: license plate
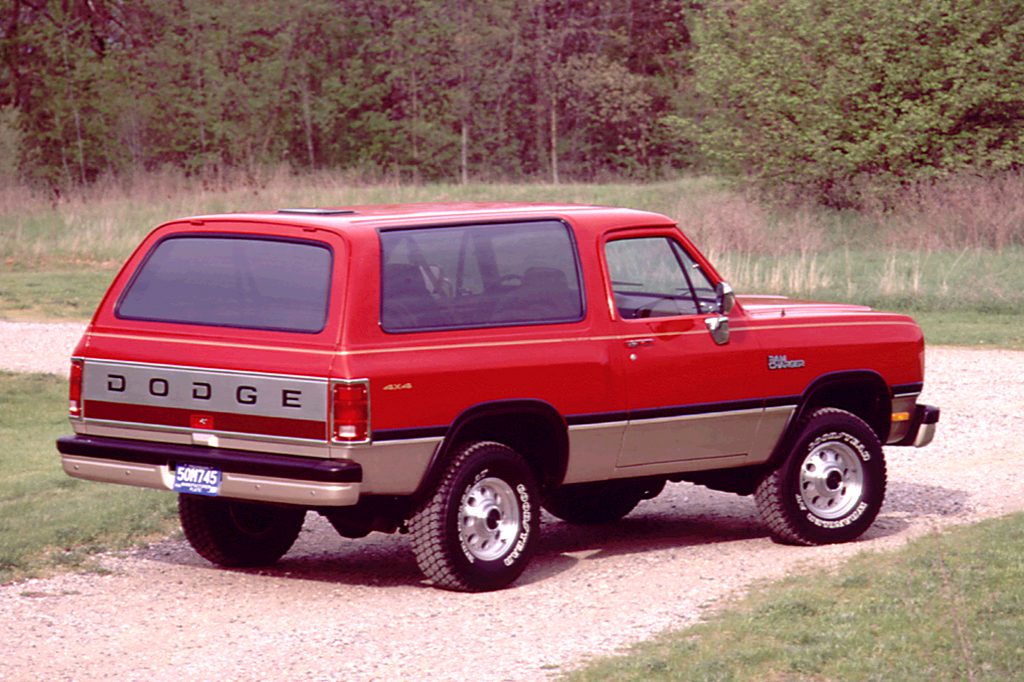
197,480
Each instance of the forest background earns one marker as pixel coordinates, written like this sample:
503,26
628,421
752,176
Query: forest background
859,150
835,98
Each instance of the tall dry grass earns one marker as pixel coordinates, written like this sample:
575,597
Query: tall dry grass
724,221
953,214
958,243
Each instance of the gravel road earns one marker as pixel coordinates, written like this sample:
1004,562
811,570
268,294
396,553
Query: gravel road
357,609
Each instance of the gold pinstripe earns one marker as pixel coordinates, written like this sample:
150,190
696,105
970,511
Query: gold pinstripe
487,344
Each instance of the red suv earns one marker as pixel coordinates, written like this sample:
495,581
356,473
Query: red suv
448,370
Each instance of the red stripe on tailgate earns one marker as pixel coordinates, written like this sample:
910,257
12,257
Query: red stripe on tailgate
223,421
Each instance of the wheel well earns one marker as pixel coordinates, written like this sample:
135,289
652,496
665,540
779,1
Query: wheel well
534,429
864,394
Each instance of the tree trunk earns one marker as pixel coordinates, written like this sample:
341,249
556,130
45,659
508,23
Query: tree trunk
465,153
553,136
307,121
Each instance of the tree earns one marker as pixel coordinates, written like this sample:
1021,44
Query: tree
837,96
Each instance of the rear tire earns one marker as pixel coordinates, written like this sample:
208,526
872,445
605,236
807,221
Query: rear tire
479,529
831,486
601,502
238,534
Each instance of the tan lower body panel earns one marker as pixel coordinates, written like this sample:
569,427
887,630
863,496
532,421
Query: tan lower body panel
240,486
391,467
593,450
674,444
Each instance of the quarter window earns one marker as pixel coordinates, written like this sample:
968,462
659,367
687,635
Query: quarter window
479,276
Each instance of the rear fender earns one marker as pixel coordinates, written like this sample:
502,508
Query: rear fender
533,428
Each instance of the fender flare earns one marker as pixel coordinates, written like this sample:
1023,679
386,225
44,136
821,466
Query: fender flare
866,379
549,473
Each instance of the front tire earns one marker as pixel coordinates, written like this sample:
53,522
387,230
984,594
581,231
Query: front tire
831,486
238,534
479,529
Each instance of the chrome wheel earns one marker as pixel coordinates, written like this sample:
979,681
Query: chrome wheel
489,519
831,480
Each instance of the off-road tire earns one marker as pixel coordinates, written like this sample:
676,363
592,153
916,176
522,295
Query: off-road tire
238,534
479,529
601,502
831,485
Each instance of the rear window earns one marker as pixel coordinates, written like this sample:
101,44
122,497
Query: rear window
229,281
479,276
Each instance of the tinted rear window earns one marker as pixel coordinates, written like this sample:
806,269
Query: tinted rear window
227,281
479,276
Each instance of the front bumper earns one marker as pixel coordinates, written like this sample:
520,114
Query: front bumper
246,475
922,426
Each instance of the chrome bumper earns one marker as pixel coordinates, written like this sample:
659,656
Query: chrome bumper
922,428
245,475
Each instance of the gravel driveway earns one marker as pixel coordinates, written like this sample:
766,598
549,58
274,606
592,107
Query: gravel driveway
356,609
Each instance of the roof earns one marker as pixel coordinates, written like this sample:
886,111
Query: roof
425,214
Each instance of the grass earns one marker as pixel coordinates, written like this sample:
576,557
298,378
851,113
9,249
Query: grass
52,294
48,519
948,607
951,256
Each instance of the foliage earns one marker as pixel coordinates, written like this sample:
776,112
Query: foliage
832,97
426,90
948,607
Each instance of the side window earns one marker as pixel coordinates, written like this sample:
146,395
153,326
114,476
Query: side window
651,277
702,287
479,276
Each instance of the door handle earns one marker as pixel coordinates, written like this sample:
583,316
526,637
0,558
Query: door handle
636,343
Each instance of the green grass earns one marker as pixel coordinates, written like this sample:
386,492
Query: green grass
972,328
57,259
52,294
48,519
949,607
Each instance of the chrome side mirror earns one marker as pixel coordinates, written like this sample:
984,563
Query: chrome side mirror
725,296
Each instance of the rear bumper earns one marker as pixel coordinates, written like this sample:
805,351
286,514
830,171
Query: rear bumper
247,475
922,426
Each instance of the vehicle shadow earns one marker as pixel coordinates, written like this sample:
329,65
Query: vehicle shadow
686,516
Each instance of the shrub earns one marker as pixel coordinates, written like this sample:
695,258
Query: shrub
848,99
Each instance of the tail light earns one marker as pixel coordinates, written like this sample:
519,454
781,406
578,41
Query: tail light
75,389
350,412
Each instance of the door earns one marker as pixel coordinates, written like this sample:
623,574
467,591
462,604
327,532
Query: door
692,400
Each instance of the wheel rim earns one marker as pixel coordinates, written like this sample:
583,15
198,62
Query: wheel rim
489,519
831,480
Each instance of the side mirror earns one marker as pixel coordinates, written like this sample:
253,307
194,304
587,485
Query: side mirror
726,297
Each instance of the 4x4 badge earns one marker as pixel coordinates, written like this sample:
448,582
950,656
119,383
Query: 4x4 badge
783,362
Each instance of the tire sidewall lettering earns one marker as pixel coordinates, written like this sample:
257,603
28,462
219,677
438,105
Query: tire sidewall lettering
525,513
842,437
838,523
